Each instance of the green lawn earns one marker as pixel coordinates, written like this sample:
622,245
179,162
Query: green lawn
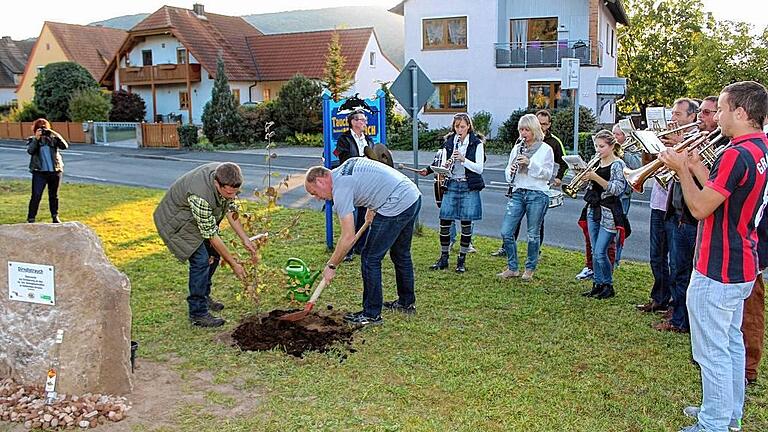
480,355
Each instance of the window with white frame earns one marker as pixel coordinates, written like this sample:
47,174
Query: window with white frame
444,33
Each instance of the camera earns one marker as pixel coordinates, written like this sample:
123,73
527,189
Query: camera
45,132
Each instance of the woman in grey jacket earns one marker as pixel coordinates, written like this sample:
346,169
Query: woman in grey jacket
46,167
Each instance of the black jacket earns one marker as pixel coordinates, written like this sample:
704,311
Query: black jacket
474,180
346,146
55,142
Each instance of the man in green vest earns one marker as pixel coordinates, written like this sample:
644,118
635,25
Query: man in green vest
188,219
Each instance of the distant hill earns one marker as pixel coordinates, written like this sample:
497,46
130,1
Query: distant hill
388,26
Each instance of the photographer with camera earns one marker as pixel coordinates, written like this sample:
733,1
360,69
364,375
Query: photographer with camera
46,167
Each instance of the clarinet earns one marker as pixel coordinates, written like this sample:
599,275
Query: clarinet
515,167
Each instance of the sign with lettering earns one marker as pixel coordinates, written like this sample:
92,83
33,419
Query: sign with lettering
31,283
335,121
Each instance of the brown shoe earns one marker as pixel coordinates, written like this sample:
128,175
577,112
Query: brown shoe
667,315
651,306
667,326
527,276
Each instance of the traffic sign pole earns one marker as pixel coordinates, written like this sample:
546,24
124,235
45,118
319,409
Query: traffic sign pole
415,117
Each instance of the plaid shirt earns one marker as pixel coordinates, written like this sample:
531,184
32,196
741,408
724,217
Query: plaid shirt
203,214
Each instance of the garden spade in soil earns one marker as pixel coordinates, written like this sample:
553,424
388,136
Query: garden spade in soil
296,316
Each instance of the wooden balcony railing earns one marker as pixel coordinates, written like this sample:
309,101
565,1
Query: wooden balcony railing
159,74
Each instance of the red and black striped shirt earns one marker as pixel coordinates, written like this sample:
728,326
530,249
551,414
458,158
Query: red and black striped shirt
726,249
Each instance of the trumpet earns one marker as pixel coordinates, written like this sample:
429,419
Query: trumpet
709,150
637,177
572,188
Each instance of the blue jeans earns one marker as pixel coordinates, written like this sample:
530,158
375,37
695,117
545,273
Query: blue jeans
685,246
626,200
662,267
600,238
716,311
393,234
533,204
201,270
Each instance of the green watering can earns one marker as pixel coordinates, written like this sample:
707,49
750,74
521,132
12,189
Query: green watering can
300,279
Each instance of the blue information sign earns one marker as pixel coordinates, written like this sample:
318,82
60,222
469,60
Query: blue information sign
335,123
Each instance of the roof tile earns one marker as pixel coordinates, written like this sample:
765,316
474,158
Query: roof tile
92,47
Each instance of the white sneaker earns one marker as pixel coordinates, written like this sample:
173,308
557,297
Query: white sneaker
471,248
586,273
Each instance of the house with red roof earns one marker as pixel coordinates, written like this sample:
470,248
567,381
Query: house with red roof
13,58
170,58
92,47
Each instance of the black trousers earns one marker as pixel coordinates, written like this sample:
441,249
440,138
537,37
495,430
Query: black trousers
41,179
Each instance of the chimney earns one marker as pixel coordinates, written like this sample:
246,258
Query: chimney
198,9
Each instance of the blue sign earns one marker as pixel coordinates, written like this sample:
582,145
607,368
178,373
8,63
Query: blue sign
335,123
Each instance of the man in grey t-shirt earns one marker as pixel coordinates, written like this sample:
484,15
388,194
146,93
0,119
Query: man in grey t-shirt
396,202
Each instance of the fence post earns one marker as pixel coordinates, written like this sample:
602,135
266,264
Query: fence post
140,134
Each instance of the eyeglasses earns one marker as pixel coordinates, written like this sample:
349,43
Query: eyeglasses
359,119
544,124
707,111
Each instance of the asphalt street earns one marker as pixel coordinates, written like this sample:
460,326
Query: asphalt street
158,168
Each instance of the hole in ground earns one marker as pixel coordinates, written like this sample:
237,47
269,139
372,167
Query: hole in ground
316,332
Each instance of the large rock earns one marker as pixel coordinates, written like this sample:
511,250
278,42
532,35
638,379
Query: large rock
92,307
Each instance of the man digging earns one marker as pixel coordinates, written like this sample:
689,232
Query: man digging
361,182
188,219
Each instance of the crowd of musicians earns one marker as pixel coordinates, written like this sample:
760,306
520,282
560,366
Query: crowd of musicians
707,201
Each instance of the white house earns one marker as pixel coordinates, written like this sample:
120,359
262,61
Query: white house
170,58
503,55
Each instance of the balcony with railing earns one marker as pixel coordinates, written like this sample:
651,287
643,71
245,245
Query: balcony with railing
546,54
159,74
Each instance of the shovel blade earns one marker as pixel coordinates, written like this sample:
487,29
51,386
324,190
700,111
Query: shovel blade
296,316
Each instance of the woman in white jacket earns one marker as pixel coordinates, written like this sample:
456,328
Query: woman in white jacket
531,163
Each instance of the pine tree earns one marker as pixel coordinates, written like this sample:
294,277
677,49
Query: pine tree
221,119
336,77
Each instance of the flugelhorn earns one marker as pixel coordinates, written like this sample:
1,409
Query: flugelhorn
572,188
637,177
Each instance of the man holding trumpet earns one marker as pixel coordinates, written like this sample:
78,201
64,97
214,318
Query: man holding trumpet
729,207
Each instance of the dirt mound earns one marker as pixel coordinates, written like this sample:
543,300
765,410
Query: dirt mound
316,332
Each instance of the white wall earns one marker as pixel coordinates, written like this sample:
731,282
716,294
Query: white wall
497,90
368,78
7,95
163,50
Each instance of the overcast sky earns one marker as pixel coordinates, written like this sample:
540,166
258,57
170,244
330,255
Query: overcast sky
24,21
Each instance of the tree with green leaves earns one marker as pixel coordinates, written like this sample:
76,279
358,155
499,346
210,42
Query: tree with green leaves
727,52
221,119
90,105
336,78
55,85
655,50
299,107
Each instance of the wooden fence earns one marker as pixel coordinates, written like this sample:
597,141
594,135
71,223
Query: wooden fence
160,135
72,132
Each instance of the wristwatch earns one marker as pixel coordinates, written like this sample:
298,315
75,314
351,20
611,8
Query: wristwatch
331,266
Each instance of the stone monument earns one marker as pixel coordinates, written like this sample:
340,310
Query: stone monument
57,277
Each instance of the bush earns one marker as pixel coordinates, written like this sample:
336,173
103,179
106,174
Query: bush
399,136
562,124
306,140
89,105
187,135
586,146
56,84
127,107
255,117
299,107
27,113
508,130
481,121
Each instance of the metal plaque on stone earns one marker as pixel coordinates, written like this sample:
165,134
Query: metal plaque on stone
31,283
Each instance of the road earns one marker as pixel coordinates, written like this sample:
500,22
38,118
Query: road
158,168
